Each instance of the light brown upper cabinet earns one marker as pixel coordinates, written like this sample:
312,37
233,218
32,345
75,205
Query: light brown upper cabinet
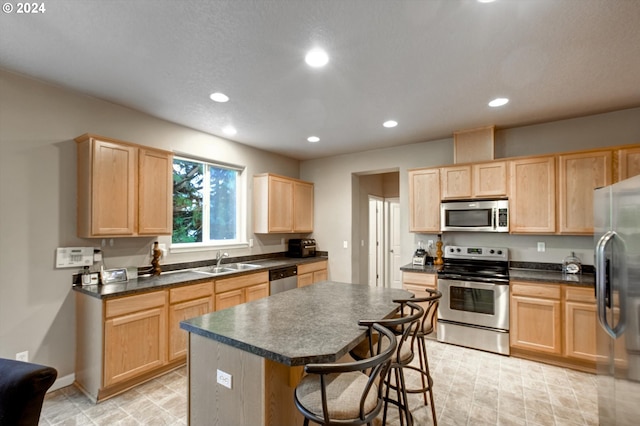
424,200
490,179
282,205
123,189
532,198
480,180
578,175
455,182
628,163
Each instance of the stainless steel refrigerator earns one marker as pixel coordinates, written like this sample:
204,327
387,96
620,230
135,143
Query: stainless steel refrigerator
617,259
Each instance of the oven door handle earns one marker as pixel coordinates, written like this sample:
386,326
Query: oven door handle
467,284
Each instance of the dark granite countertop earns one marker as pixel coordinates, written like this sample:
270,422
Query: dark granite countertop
177,277
553,277
528,271
316,323
427,269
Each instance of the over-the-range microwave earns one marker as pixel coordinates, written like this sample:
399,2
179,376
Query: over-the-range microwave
475,215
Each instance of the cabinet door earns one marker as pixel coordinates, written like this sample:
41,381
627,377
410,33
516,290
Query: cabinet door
455,182
229,298
302,207
628,163
580,330
305,279
532,203
320,276
113,190
536,324
155,192
280,205
134,344
418,291
180,312
489,179
256,292
579,175
424,200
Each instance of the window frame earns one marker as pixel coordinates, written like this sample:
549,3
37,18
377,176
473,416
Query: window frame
241,209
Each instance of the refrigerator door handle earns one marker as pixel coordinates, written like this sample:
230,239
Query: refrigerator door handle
601,282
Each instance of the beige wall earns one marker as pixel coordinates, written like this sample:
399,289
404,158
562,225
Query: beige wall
37,213
333,192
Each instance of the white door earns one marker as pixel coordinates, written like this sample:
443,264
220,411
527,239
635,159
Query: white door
392,248
376,277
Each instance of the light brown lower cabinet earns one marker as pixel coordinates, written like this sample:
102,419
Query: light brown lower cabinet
186,302
311,273
554,323
245,288
140,319
416,282
124,341
536,317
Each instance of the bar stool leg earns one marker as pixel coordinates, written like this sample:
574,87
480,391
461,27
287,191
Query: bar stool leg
425,367
422,355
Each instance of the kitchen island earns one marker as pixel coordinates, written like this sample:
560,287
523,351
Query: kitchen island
263,345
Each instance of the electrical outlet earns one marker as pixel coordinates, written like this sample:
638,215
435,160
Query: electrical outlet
250,242
345,244
430,244
23,356
541,246
224,378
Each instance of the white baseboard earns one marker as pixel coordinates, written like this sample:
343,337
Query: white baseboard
62,382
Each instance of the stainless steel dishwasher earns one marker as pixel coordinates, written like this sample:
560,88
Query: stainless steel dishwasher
283,279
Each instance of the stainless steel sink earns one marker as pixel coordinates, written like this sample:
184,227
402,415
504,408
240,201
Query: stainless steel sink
228,268
242,266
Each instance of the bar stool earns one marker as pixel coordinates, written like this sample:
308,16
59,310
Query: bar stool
343,393
405,326
427,326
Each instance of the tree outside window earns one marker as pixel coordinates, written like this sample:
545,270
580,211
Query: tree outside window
205,203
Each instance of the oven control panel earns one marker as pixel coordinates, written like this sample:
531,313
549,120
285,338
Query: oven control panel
478,253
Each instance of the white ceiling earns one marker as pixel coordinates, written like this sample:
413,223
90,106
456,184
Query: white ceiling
431,65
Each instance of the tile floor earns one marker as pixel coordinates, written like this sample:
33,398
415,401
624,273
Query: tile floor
470,387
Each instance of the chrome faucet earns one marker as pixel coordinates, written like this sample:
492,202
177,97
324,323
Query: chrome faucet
219,257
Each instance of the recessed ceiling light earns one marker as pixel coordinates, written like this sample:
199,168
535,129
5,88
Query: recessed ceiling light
219,97
313,139
497,102
229,130
390,123
486,1
316,58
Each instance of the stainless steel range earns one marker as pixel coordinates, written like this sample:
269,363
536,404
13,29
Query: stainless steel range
474,309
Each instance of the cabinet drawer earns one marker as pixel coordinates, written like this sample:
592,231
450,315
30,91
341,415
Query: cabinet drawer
229,284
189,292
546,291
129,304
419,278
311,267
580,294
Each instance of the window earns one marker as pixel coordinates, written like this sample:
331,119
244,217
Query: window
207,204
